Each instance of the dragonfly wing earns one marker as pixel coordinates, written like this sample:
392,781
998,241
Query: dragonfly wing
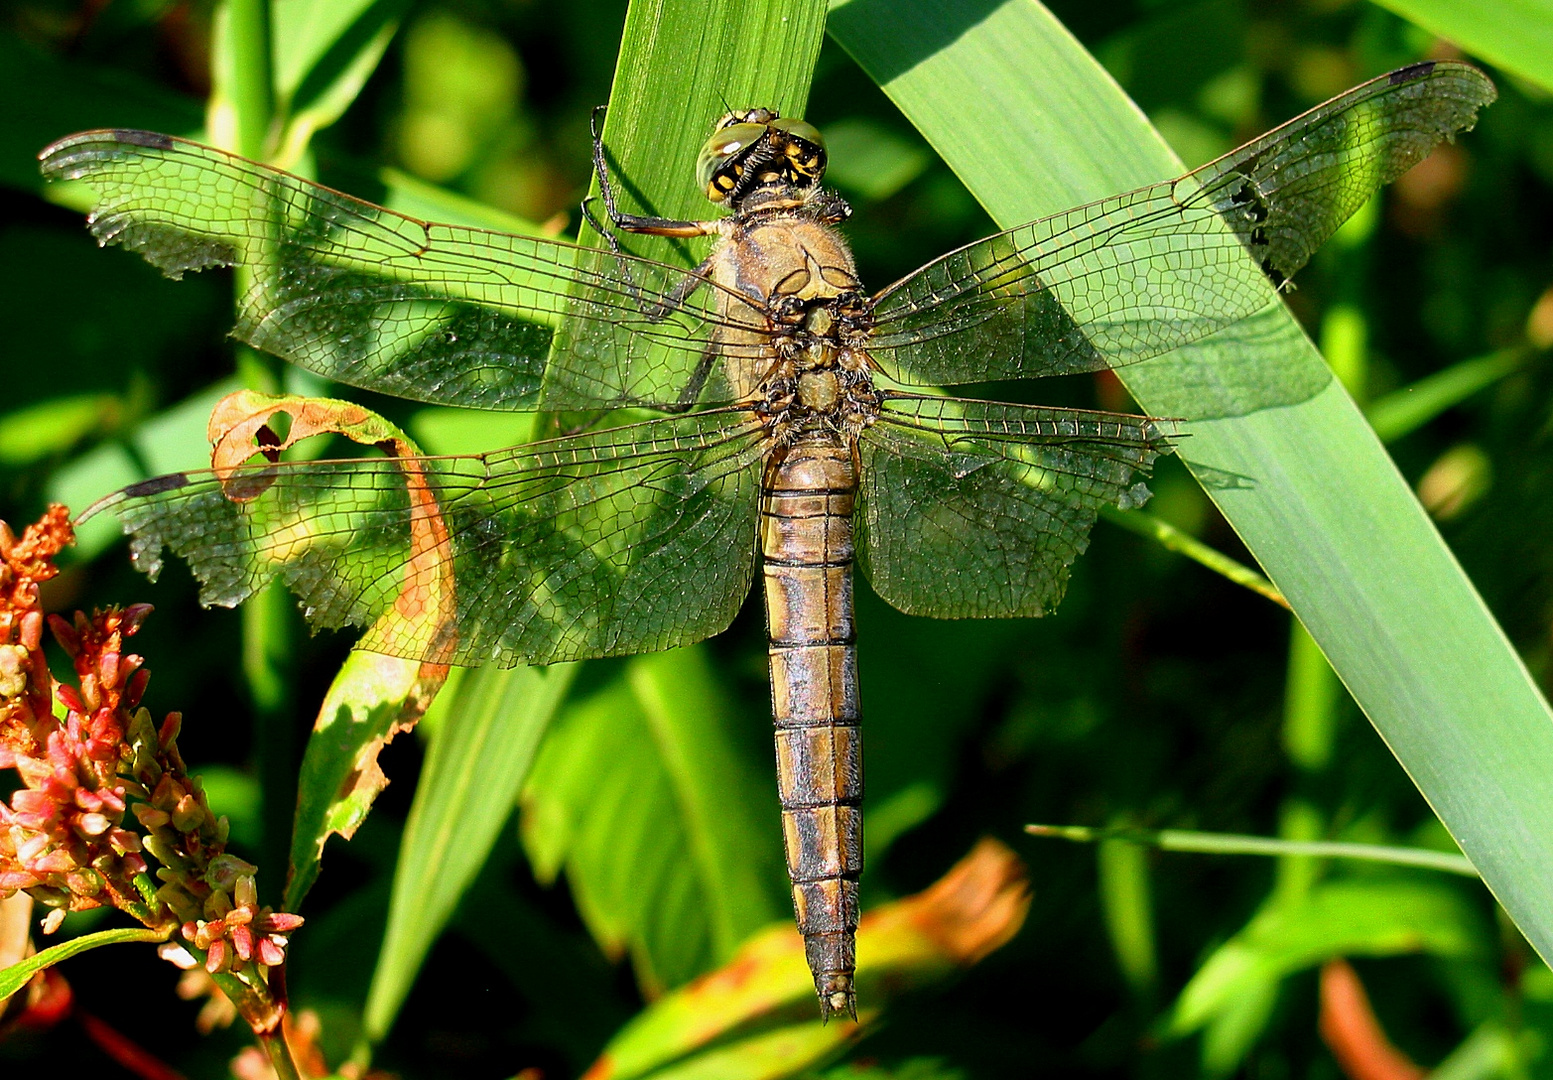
619,541
379,300
976,509
1139,274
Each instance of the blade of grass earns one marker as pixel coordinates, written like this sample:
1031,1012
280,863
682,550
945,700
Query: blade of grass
1405,410
480,756
1307,485
16,976
1516,35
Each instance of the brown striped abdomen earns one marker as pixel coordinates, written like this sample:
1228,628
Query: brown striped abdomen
806,541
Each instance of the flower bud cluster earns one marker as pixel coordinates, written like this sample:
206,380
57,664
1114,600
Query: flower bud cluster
63,838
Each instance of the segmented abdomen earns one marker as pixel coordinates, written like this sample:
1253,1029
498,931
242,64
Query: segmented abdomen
806,539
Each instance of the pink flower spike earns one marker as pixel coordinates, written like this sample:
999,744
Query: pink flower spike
131,618
93,824
69,698
108,670
270,952
136,687
242,942
215,958
65,634
32,630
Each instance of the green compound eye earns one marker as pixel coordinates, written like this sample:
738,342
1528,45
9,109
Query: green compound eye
804,148
716,169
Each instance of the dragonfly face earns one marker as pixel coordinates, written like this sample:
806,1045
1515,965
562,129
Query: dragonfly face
787,444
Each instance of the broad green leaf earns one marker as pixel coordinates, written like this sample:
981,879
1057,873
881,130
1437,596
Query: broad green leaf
1232,996
753,1018
15,977
1387,917
1306,485
641,795
372,699
480,755
1516,35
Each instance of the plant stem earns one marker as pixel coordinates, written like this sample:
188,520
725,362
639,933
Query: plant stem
1184,543
1239,844
274,1044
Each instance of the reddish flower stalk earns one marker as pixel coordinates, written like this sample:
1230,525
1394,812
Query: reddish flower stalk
98,757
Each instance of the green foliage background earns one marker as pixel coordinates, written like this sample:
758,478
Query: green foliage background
1160,695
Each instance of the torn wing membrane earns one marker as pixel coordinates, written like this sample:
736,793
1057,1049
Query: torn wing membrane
376,299
976,509
1136,275
625,540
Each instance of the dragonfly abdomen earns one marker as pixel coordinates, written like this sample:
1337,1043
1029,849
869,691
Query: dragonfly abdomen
806,540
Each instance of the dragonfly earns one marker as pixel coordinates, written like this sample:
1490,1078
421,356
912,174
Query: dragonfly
797,424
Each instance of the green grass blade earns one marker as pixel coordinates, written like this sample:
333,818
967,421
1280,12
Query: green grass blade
1516,35
1034,125
1181,542
480,757
1411,407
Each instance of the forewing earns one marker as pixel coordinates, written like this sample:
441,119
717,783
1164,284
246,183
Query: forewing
379,300
1139,274
976,509
620,541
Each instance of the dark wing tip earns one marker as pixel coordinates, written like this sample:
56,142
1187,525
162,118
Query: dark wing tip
155,486
152,139
144,489
1411,72
62,159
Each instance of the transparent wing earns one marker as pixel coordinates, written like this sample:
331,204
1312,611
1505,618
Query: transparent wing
375,299
976,509
1139,274
621,541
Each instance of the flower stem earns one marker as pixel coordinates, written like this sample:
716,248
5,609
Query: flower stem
274,1044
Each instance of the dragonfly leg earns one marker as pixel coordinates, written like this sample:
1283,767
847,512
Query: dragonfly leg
636,223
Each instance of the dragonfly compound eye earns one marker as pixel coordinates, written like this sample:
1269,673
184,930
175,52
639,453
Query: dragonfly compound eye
721,162
804,150
791,151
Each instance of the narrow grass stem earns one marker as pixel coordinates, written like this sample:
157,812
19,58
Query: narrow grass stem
1184,543
1240,844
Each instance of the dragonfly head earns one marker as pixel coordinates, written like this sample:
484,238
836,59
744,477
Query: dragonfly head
758,148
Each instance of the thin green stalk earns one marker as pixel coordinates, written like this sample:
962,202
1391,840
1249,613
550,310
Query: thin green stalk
1184,543
274,1044
253,83
1209,843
